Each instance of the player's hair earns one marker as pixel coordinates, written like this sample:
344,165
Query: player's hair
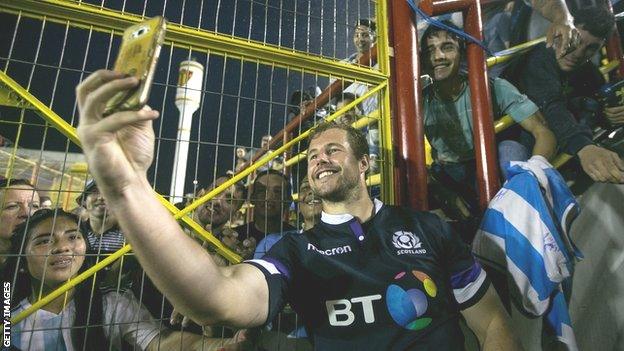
356,138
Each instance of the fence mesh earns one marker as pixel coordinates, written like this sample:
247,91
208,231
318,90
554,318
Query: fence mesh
263,63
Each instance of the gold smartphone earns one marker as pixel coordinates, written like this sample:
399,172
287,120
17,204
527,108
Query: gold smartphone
138,55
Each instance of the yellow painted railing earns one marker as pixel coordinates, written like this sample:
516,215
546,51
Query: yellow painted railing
92,17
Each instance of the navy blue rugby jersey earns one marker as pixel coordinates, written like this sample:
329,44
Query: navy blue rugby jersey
396,282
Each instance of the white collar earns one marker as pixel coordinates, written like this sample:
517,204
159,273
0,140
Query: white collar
345,217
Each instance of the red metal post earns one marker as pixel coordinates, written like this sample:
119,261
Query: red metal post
614,51
482,116
332,90
440,7
410,173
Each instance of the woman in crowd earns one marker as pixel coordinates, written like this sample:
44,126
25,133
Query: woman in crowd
49,251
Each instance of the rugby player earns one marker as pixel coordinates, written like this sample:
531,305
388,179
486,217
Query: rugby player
368,277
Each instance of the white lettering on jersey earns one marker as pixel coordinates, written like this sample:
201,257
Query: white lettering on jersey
330,252
407,243
337,310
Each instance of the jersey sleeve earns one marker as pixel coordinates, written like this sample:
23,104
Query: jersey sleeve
468,279
511,101
277,267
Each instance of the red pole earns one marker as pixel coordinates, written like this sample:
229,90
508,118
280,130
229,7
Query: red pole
410,173
332,90
614,51
440,7
483,123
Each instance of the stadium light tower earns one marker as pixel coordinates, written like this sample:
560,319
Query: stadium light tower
187,100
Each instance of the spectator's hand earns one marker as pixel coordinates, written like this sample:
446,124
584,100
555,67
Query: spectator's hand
563,36
178,318
615,114
245,248
601,164
120,147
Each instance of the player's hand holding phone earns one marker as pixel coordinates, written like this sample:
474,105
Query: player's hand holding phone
120,146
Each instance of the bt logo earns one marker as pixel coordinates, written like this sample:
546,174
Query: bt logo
340,314
407,305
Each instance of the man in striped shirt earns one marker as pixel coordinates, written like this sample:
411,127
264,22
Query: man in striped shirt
103,233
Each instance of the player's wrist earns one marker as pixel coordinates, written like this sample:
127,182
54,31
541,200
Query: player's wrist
121,190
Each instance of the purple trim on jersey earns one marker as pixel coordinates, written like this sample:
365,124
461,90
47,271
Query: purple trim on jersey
470,275
356,229
279,265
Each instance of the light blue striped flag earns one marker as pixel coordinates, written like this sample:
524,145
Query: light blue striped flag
525,233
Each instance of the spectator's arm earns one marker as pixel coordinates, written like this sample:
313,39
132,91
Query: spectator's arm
602,165
489,321
562,34
545,141
539,76
527,114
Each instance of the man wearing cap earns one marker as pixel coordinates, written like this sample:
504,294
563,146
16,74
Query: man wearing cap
368,277
103,233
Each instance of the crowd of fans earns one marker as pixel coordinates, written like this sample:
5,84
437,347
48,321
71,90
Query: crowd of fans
550,92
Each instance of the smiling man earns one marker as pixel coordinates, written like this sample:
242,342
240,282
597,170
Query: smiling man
103,233
448,113
367,277
373,276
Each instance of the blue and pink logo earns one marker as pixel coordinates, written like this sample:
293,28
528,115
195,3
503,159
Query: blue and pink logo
408,306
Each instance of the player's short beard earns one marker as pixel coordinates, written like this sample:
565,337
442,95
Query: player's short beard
344,190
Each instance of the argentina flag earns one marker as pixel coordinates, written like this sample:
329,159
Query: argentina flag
525,233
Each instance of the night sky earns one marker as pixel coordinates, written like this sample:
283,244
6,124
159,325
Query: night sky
242,101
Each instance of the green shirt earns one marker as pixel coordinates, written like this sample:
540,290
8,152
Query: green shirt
448,124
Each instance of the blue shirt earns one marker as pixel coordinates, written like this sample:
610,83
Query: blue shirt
448,124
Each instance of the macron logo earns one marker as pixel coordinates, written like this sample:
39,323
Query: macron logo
330,252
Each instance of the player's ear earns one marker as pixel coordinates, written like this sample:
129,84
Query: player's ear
364,163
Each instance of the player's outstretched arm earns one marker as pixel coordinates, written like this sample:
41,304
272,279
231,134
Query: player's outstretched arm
490,322
119,150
